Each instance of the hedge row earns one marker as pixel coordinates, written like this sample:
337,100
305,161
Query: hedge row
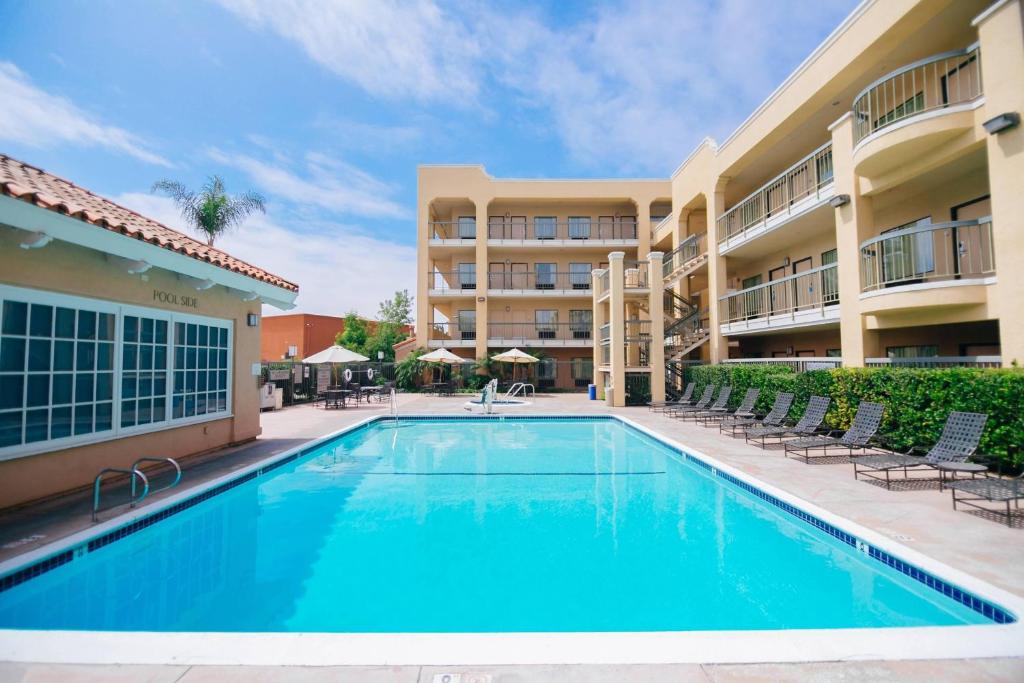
916,401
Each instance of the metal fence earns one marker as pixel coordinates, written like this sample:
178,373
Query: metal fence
301,382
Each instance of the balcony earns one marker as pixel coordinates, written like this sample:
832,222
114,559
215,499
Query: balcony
539,283
452,233
803,187
584,232
571,334
451,283
451,335
690,255
806,299
634,277
916,109
940,264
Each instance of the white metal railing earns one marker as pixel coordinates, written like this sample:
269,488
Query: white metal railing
540,280
452,230
805,178
933,83
447,281
806,291
634,274
928,253
689,249
552,333
800,364
581,228
656,226
604,282
936,362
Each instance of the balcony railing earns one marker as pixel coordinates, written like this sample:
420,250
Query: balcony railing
928,253
936,362
934,83
811,290
544,333
634,275
804,179
801,364
606,332
689,249
604,283
582,230
637,330
452,332
450,281
606,354
540,281
452,230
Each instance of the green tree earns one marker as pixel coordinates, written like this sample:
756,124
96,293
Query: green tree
354,335
211,211
384,339
397,311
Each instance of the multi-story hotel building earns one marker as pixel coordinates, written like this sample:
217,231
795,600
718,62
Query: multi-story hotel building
856,217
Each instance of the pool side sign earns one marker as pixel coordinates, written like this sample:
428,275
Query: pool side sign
183,300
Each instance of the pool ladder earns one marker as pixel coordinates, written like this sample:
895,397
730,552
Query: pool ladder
393,405
135,474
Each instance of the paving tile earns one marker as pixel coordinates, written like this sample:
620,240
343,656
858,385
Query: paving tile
567,673
922,671
89,673
301,674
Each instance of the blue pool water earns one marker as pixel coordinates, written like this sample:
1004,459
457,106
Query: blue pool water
479,525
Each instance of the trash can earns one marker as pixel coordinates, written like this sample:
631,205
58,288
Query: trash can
592,391
608,396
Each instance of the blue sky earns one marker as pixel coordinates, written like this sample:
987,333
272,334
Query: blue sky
327,107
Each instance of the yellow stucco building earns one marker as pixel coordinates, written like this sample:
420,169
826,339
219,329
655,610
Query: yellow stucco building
856,217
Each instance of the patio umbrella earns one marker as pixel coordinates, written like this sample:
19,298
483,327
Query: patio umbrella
441,356
335,354
515,356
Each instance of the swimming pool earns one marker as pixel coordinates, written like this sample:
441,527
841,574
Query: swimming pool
475,525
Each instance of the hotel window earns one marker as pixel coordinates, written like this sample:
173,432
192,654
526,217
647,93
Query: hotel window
544,227
582,371
547,372
467,227
467,324
75,370
545,275
829,278
579,227
581,322
467,276
546,322
579,274
924,351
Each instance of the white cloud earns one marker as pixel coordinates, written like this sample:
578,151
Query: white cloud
387,47
337,268
370,137
329,183
33,117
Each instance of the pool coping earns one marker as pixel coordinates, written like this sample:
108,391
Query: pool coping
107,647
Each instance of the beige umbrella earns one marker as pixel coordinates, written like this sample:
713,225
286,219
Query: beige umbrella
515,356
335,354
441,356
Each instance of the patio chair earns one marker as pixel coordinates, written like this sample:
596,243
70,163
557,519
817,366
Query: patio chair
775,417
990,489
684,400
701,404
809,424
861,435
744,409
959,440
719,406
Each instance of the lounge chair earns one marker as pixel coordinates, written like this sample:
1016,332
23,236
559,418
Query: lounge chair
860,436
958,442
775,417
701,404
684,400
719,406
991,489
744,409
809,424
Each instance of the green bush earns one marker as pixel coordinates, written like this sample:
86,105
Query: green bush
917,401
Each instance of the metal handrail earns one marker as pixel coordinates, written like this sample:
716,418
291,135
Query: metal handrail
174,463
692,247
132,473
539,280
555,331
582,230
634,274
926,253
803,179
892,98
812,289
439,230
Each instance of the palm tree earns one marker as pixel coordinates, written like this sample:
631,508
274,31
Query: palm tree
211,211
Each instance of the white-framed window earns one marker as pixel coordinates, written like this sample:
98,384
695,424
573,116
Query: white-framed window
75,370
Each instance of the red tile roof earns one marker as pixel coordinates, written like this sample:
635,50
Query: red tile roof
31,184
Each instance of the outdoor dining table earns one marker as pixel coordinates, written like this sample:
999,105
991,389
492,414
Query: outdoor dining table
335,398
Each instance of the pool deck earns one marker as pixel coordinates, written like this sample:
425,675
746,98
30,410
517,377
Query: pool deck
921,518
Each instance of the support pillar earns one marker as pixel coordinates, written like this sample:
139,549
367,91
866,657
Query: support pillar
656,306
717,275
481,278
616,318
600,318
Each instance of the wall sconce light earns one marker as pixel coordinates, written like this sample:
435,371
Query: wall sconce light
252,320
1006,121
839,200
481,299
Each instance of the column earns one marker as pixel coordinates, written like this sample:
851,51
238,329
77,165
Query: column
1002,71
422,271
682,231
656,306
481,277
643,226
855,223
717,274
616,317
600,318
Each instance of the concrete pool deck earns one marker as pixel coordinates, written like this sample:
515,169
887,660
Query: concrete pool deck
921,519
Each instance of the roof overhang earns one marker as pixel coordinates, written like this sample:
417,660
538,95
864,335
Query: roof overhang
39,222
